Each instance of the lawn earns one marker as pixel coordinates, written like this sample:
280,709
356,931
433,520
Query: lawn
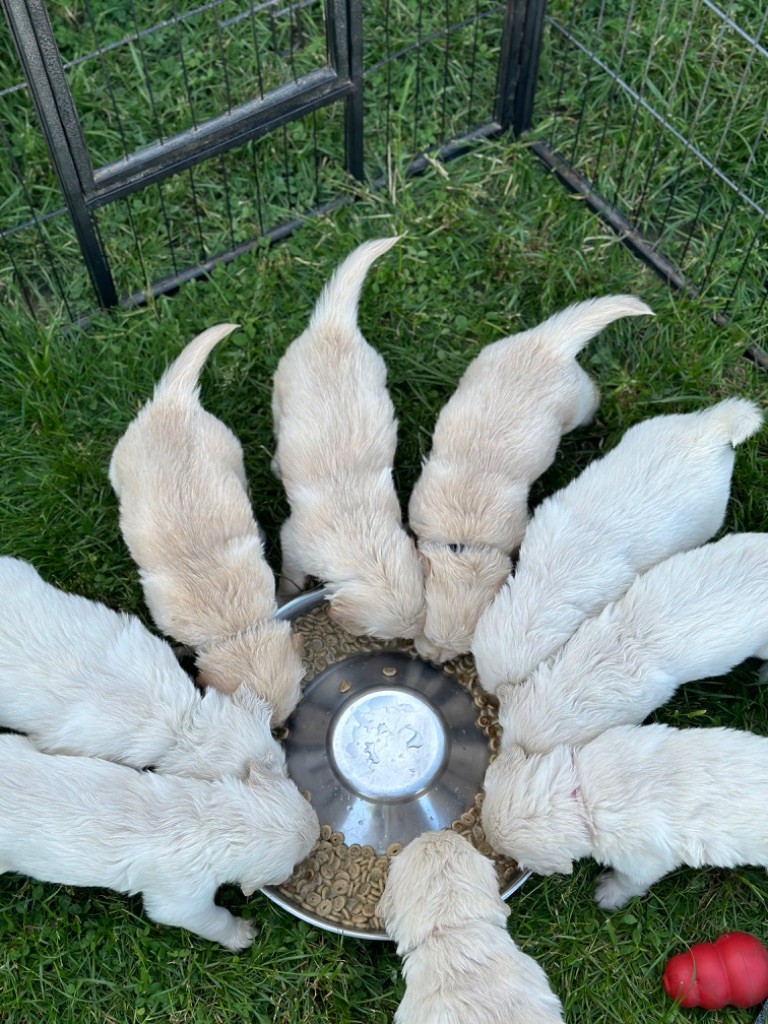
491,244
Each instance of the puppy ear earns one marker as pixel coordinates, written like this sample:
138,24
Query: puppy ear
251,701
426,565
385,905
255,773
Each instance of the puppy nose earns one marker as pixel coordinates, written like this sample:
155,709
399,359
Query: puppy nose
427,650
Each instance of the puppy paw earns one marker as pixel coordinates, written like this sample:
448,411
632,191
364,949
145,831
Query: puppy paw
240,936
609,893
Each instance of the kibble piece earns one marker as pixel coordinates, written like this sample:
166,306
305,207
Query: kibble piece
345,686
389,672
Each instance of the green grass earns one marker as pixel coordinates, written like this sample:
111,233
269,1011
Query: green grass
492,244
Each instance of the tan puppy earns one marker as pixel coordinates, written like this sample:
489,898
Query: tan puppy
336,436
496,435
188,523
441,905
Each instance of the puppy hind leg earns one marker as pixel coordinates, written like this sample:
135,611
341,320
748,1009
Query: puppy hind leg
615,888
293,578
589,400
200,915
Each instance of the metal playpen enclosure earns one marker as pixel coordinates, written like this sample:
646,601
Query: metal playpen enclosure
222,125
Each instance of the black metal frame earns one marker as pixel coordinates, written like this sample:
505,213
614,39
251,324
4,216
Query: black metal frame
85,189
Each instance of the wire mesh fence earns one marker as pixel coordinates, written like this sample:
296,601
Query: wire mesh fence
142,76
662,118
199,130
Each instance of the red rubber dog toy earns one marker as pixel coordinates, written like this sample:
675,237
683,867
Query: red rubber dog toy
732,971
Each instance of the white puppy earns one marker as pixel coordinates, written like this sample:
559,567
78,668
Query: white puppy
82,821
664,488
694,616
336,436
79,678
188,523
441,905
496,435
641,799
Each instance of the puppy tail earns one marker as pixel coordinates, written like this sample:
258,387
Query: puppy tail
339,299
738,418
567,332
182,375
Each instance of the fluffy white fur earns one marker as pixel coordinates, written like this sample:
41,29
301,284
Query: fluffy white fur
336,436
694,616
79,678
641,799
441,905
83,821
664,488
186,518
497,434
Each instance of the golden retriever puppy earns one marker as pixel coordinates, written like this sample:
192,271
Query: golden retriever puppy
82,821
186,518
641,799
79,678
664,488
696,615
496,435
441,905
336,436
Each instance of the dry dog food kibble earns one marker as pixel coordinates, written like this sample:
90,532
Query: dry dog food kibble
344,883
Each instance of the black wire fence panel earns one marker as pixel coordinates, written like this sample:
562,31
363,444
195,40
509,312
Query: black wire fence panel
430,70
664,116
141,74
655,112
40,261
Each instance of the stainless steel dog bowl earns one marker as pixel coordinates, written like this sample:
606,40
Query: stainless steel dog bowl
388,748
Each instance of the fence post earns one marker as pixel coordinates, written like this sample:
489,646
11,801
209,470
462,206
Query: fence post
345,37
41,62
519,64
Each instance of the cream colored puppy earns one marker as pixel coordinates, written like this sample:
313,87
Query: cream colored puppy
664,488
641,799
336,435
496,435
79,678
694,616
186,518
82,821
441,905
